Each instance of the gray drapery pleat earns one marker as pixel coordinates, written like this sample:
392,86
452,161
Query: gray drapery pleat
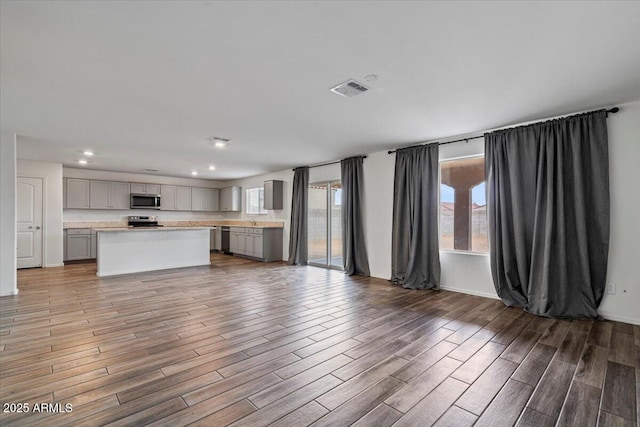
415,257
354,251
548,214
298,252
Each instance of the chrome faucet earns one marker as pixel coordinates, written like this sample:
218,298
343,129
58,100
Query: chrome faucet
252,221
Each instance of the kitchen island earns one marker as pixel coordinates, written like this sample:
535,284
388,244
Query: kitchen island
135,250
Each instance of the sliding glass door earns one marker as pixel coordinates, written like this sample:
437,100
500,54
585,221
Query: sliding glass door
325,230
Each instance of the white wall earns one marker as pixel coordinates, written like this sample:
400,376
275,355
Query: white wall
119,215
8,265
51,173
624,183
470,273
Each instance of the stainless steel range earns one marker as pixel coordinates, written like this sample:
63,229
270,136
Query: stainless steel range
143,221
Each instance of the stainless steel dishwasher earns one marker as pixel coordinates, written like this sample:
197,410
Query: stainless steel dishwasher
224,240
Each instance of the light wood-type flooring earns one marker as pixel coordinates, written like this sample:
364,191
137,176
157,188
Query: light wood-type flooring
253,344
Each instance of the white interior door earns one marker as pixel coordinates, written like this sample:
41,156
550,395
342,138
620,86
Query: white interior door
29,222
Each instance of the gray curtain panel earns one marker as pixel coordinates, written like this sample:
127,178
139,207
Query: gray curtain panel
298,252
548,214
354,251
415,257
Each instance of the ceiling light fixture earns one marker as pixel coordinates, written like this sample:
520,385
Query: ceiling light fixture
82,161
212,168
218,142
194,173
88,153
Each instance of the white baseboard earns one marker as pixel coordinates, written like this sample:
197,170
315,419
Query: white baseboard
54,265
11,294
469,292
617,318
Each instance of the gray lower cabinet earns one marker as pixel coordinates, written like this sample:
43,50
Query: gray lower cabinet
79,244
236,240
260,243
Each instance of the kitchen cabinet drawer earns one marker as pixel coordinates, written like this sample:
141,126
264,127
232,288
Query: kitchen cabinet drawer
258,231
71,231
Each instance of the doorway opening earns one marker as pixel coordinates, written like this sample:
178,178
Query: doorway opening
29,222
325,224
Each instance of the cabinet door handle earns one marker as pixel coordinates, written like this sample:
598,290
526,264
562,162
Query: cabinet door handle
37,227
30,228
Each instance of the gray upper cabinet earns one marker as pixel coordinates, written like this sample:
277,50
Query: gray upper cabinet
212,199
204,199
230,199
109,195
119,195
139,188
183,198
273,198
175,198
99,195
76,193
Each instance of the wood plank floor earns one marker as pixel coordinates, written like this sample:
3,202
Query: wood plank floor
250,344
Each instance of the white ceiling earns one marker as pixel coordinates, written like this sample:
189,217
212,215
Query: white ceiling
144,83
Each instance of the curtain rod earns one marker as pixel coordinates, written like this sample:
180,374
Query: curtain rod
327,164
612,110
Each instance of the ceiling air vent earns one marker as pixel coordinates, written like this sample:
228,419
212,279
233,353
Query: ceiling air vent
350,88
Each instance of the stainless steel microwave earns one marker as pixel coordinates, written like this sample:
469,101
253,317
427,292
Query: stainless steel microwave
145,201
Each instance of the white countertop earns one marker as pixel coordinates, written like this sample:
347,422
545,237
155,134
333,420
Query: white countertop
136,229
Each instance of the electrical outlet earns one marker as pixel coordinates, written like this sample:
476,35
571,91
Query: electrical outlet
611,289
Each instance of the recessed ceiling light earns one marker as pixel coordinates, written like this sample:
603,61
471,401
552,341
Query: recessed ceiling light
88,153
194,172
218,142
212,168
82,161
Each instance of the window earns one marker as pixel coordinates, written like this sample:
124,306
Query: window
255,201
463,208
